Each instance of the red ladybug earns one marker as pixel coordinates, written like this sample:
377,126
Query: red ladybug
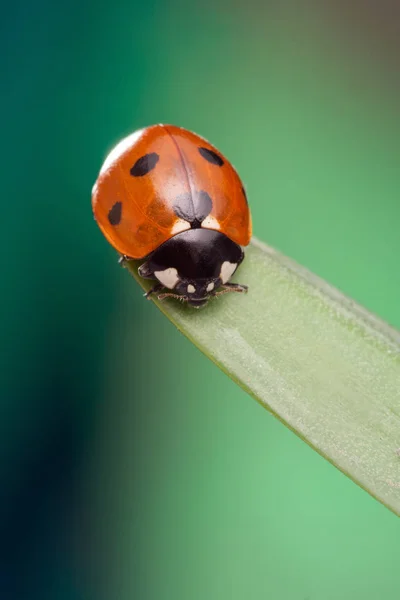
167,195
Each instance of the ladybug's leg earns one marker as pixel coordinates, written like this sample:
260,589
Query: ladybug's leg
157,288
235,287
146,271
231,287
123,260
171,295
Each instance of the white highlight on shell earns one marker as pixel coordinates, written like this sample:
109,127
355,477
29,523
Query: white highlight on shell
210,287
191,289
169,277
210,223
179,226
121,147
227,270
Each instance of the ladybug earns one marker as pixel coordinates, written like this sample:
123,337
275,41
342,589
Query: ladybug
167,196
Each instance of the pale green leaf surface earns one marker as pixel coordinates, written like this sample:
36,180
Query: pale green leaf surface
322,364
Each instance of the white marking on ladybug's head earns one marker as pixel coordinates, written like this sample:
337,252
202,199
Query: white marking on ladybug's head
191,289
227,270
179,226
210,223
169,277
210,287
119,149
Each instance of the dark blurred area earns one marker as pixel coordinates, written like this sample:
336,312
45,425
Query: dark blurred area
130,467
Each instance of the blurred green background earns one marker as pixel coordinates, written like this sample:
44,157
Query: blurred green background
130,467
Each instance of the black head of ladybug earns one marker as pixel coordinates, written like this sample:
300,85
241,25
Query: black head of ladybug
194,265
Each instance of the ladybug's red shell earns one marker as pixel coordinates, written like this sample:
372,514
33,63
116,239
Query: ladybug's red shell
156,182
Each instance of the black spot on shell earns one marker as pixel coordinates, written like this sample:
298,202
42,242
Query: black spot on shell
115,213
244,194
144,164
211,156
193,208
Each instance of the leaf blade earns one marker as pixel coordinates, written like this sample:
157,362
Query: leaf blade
326,367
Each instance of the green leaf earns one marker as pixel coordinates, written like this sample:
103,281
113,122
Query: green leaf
322,364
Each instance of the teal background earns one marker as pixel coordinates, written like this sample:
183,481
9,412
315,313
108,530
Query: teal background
130,467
